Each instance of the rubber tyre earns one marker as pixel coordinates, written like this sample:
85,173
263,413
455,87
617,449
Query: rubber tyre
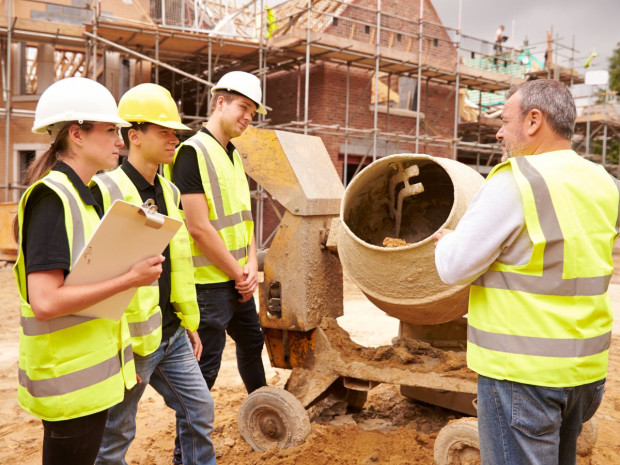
273,417
457,443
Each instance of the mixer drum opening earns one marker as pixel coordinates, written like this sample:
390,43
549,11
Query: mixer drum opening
368,209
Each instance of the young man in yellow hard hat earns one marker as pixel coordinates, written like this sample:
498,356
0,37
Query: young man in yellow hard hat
160,317
216,202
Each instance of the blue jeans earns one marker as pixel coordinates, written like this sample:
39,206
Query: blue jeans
521,424
173,372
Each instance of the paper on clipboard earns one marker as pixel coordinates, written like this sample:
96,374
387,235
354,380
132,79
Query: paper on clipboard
126,234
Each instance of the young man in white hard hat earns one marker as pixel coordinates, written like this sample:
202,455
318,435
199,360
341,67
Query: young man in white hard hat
216,202
161,318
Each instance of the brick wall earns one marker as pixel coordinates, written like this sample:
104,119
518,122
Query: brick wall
399,29
327,106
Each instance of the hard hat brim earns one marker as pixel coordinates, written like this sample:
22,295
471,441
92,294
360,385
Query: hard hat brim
169,124
259,107
43,125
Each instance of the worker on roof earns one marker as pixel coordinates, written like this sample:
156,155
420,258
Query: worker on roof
216,202
163,319
536,244
72,368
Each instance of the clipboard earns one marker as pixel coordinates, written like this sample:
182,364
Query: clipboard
126,234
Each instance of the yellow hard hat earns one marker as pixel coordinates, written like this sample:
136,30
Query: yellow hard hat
150,103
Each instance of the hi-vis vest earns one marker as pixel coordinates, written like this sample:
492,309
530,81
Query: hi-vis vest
143,313
70,366
228,197
548,322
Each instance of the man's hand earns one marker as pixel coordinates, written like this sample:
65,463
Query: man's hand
439,235
194,339
249,282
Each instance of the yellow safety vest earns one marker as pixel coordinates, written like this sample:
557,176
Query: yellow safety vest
548,322
143,313
228,197
70,366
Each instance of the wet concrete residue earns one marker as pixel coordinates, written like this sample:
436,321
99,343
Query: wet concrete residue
403,353
394,242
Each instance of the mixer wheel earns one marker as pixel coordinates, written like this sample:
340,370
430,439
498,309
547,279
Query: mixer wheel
273,417
457,443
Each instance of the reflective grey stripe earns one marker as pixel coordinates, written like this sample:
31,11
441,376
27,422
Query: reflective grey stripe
173,188
112,186
128,354
33,327
72,382
79,241
142,328
546,285
551,282
223,220
231,220
537,346
201,260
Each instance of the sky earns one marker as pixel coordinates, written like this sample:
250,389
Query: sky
595,24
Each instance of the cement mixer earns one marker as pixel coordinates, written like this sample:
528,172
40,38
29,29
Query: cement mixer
379,230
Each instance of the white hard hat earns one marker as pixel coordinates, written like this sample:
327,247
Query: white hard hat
75,99
242,83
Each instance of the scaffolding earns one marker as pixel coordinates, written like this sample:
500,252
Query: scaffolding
186,44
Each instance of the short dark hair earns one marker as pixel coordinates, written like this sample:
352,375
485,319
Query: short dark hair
228,96
134,125
553,100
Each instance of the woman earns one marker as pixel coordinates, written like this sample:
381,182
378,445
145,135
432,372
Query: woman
71,368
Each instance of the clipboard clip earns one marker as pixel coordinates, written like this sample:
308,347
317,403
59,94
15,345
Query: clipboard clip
149,211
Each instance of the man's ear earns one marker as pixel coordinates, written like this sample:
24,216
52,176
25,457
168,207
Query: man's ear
133,136
219,103
534,121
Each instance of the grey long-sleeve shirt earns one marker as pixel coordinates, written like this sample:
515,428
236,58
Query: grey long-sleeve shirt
493,228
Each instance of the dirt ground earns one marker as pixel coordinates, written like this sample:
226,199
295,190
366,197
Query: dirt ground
389,430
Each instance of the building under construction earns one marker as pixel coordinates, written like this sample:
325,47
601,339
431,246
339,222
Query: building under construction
370,77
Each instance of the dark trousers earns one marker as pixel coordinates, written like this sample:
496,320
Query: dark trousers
221,313
75,441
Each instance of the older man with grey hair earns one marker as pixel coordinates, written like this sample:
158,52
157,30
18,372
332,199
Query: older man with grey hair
536,246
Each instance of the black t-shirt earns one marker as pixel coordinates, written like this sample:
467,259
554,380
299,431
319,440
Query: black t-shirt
185,173
170,321
45,242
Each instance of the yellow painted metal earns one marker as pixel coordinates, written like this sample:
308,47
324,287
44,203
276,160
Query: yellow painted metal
309,276
294,168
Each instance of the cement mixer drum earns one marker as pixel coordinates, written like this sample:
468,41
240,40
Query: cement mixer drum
401,201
